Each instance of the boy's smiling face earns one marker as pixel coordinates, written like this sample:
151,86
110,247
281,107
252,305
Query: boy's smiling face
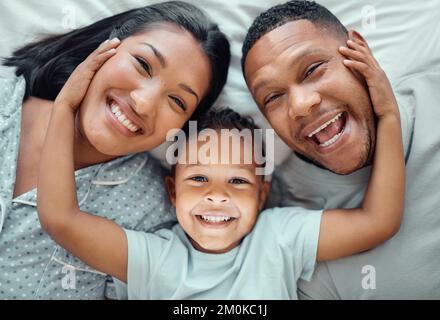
217,204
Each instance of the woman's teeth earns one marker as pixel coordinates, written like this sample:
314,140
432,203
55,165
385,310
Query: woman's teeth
216,219
123,119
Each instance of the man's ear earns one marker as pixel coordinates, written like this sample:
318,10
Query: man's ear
171,189
356,36
264,192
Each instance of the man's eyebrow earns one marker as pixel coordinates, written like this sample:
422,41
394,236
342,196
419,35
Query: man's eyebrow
297,57
159,56
189,90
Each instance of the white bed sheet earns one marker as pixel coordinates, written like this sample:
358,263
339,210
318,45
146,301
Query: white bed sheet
404,35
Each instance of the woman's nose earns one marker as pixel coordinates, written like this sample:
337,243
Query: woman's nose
146,103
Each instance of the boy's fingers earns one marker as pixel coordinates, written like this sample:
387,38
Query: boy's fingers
107,45
356,46
101,55
356,55
359,66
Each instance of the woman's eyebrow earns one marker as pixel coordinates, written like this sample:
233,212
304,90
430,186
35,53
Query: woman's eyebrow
189,90
163,63
159,56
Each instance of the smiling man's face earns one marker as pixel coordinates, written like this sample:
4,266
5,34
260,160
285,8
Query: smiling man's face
319,107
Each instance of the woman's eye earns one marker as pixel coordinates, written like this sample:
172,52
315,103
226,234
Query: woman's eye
238,181
199,179
144,65
312,69
179,103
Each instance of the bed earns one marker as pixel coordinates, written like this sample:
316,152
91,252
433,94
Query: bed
404,35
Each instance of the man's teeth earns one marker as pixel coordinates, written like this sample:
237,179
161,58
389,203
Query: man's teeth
325,125
123,119
331,141
216,219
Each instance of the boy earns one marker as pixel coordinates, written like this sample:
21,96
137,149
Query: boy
222,247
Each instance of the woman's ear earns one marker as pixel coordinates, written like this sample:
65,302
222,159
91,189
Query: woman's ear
264,192
171,189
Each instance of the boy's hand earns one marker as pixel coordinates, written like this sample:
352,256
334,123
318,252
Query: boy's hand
73,92
360,58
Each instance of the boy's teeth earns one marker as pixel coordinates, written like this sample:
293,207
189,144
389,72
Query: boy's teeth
123,119
325,125
216,219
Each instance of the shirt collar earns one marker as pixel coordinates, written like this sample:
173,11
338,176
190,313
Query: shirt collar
112,173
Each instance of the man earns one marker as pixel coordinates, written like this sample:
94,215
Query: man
293,65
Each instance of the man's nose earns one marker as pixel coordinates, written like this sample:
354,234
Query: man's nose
301,101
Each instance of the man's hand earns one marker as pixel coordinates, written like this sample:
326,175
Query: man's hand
75,89
360,58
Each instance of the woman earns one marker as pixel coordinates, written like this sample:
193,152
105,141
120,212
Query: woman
171,60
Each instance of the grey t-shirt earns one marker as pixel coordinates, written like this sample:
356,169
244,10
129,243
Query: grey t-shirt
408,265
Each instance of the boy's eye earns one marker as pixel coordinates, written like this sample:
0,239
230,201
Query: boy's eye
199,179
144,64
238,181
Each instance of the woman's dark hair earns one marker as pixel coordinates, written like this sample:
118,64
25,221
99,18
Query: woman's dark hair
46,65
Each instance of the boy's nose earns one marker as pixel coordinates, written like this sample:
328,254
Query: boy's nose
216,198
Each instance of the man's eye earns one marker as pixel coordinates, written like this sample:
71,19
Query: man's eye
272,98
312,69
199,179
238,181
179,103
144,65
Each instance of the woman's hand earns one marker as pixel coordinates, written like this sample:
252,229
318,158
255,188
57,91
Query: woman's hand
75,89
360,58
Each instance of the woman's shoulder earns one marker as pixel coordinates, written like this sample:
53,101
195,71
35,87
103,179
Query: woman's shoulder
12,90
11,82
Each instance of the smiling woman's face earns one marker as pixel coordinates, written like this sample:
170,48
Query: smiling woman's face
151,85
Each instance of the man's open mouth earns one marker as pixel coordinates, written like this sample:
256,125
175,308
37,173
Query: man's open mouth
329,132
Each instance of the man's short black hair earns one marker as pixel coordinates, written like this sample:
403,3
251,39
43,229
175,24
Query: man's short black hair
290,11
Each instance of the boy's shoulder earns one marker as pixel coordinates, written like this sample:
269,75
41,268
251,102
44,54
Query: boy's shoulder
285,214
286,224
